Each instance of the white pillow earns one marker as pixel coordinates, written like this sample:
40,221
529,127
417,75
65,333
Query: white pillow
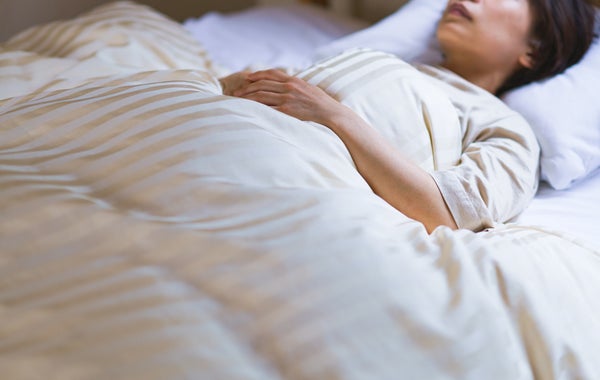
268,36
563,111
408,33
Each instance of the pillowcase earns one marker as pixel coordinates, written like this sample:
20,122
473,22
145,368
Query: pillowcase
562,110
564,114
269,36
408,33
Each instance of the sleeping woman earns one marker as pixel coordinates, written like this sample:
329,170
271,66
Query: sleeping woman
489,47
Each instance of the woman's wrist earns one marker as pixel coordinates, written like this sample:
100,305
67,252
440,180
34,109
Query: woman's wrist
342,120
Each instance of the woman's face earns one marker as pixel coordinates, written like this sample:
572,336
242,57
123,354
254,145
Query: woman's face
491,34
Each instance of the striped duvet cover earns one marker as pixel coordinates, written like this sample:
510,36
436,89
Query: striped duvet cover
151,228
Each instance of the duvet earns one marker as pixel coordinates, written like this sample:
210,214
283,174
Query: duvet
151,228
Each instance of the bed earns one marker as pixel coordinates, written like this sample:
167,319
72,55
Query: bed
230,40
152,228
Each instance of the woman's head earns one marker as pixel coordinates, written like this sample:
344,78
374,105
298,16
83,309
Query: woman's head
514,42
561,33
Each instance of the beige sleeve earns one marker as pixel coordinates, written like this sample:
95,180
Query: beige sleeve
497,175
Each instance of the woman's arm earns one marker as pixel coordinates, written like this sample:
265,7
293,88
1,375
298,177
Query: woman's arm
391,175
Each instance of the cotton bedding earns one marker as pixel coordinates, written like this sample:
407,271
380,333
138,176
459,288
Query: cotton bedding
152,228
574,211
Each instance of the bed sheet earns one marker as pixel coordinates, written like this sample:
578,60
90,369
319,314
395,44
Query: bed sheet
575,210
149,232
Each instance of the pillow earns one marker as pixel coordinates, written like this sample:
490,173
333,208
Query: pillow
408,33
268,36
383,89
562,110
564,113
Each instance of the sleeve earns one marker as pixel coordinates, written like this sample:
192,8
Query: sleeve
497,175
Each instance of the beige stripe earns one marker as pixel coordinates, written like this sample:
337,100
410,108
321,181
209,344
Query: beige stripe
359,81
109,316
319,68
42,93
103,86
50,211
18,60
44,38
160,26
352,69
124,112
126,17
162,56
45,110
30,37
66,39
41,97
149,20
181,78
63,268
128,167
85,48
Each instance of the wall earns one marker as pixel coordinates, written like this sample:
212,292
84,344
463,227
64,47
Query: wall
373,10
16,15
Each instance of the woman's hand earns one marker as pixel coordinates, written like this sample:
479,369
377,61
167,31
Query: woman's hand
234,82
290,95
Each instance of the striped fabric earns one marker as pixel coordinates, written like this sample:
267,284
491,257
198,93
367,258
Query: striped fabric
395,98
123,33
151,228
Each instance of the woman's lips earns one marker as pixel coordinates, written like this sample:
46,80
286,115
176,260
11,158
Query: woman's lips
459,10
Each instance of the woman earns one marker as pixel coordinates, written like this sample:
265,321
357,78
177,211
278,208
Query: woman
494,45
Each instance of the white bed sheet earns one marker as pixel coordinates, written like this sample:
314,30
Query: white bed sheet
575,211
287,36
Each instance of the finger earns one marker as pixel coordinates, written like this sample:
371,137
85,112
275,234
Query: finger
273,74
266,98
262,85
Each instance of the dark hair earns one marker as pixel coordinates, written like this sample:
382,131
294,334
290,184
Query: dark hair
562,32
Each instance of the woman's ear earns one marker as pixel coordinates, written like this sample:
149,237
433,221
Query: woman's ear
528,59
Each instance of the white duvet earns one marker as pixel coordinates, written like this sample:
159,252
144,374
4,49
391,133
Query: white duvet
152,228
